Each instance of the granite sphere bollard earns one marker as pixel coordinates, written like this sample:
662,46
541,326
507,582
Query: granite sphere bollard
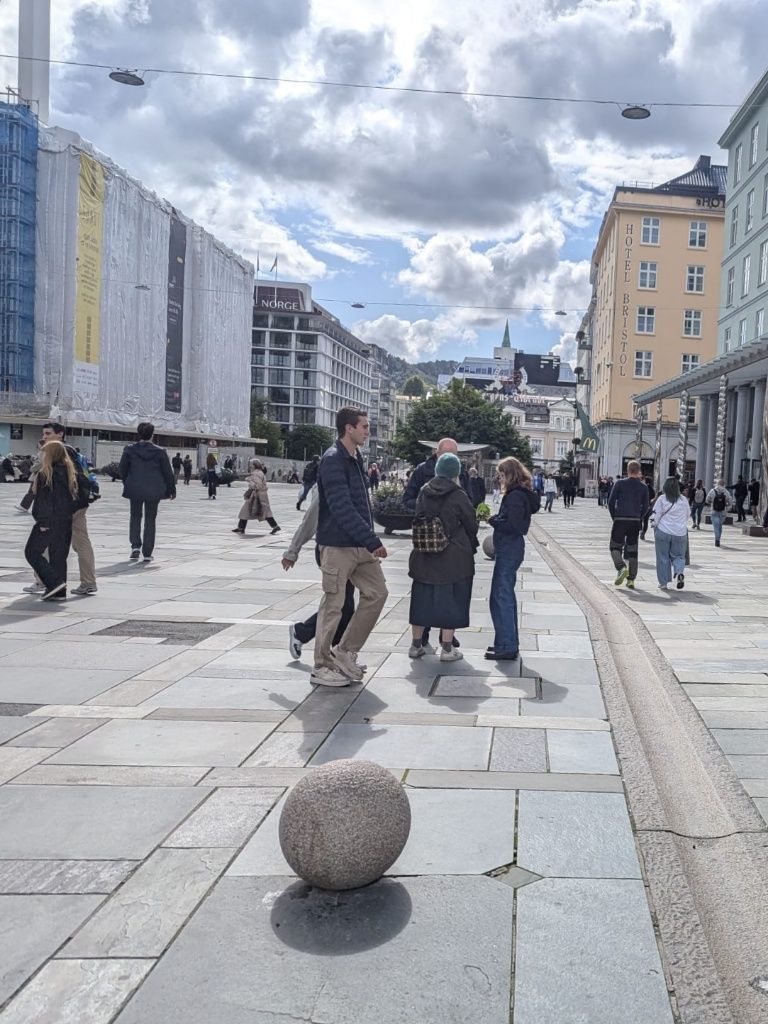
488,549
344,824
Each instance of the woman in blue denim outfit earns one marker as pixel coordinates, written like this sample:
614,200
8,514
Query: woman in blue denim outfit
509,528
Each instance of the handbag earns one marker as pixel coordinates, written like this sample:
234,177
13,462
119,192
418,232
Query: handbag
428,535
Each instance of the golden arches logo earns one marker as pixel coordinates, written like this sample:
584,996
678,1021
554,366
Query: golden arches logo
589,444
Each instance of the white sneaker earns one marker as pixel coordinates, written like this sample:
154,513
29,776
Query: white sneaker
417,652
346,663
428,648
326,676
84,589
34,588
452,655
354,657
294,646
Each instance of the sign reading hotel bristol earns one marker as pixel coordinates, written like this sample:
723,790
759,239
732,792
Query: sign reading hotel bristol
276,297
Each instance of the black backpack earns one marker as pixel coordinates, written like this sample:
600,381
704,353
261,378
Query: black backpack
718,502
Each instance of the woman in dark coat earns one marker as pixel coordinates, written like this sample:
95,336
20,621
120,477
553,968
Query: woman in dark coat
442,581
212,478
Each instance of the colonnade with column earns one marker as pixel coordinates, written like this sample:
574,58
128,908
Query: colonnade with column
727,415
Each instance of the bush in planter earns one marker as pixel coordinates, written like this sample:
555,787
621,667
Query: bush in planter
111,469
389,510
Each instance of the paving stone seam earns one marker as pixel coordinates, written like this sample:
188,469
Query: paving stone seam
717,945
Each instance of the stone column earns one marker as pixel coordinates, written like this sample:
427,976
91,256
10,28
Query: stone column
709,455
639,416
657,481
740,432
757,420
764,456
682,438
722,399
702,437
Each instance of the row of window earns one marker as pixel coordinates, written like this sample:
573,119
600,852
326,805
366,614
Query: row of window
644,363
746,274
753,153
749,213
650,232
561,447
741,335
648,276
283,339
302,360
646,321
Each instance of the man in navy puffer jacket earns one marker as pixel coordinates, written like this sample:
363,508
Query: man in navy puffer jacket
349,551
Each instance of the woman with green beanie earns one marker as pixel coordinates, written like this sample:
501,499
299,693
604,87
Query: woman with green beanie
442,578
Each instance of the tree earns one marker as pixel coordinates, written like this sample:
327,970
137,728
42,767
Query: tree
567,464
262,427
308,440
414,387
464,414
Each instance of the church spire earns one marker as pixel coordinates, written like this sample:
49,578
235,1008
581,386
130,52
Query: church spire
506,343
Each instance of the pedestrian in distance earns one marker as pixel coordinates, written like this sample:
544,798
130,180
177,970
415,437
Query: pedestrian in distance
754,498
647,516
308,479
671,512
58,493
147,476
569,491
698,501
177,463
300,633
256,499
510,525
550,492
187,467
721,503
442,562
374,476
740,492
477,491
212,474
628,504
350,551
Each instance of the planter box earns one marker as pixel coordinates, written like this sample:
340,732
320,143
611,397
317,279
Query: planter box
391,521
751,530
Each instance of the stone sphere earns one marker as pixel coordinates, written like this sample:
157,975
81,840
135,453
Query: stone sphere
344,824
488,546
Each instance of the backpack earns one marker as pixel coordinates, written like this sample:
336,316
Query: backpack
87,484
718,502
700,496
429,535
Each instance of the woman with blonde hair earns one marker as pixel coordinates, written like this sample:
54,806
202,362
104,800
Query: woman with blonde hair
510,526
57,496
256,504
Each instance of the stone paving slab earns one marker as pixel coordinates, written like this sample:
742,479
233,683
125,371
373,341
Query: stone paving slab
408,746
63,877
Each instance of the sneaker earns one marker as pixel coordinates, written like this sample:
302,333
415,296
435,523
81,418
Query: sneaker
501,655
58,589
238,530
354,657
622,575
346,663
148,558
417,651
274,530
630,584
326,676
680,581
34,588
717,543
663,586
84,589
135,554
451,655
294,646
428,648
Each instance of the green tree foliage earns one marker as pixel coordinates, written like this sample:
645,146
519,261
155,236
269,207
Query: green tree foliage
308,440
567,464
464,414
414,387
263,427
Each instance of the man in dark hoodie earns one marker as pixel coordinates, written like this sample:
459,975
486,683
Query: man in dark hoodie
628,503
425,471
147,478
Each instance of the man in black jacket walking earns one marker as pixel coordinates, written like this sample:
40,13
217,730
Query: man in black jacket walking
147,478
425,471
628,503
308,479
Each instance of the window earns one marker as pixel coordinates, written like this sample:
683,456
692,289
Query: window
727,339
694,279
280,396
282,323
646,319
650,231
302,396
737,164
690,362
765,196
729,286
643,364
536,444
303,324
692,323
280,340
647,274
257,375
746,265
305,360
749,218
742,332
734,224
762,275
558,422
304,416
280,377
759,319
307,341
279,358
280,414
692,411
697,234
260,319
259,338
754,136
304,378
561,449
257,357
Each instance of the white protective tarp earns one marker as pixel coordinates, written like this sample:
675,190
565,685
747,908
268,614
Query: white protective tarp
129,382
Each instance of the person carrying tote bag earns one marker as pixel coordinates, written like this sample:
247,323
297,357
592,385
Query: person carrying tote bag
671,513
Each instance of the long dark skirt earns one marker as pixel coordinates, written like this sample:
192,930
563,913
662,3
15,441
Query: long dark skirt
441,604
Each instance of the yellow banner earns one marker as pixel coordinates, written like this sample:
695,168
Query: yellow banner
90,231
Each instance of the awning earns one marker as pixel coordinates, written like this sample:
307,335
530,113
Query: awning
463,449
743,366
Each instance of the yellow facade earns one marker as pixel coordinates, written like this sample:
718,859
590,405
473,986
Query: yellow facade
656,281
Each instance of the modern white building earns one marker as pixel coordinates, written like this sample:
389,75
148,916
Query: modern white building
304,363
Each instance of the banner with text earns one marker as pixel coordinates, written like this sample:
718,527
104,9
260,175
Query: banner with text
174,338
90,234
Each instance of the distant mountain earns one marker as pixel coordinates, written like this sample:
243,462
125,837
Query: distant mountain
400,370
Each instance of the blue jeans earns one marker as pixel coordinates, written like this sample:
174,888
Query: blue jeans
670,556
549,498
718,518
509,554
696,510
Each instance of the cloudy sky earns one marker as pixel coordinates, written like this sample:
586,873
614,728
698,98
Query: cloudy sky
420,206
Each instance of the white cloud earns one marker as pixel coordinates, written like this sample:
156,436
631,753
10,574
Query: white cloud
415,340
349,253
